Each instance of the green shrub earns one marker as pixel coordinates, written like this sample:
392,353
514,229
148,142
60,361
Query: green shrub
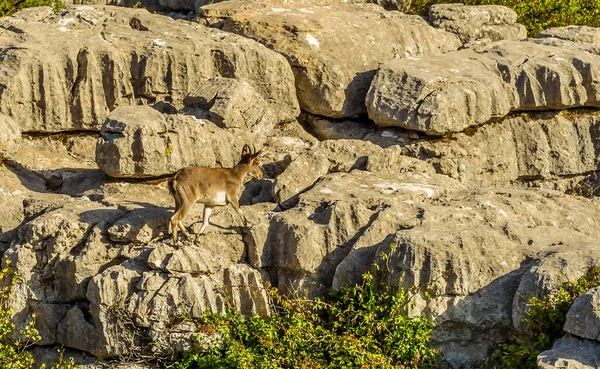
14,354
543,321
536,15
364,326
8,7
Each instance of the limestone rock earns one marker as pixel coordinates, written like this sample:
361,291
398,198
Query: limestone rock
140,225
525,65
10,137
233,103
93,61
333,72
471,23
509,76
567,263
583,318
322,158
393,161
443,241
438,94
570,353
212,252
139,142
307,242
537,146
327,129
583,34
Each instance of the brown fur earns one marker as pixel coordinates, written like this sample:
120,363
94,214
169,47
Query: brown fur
211,187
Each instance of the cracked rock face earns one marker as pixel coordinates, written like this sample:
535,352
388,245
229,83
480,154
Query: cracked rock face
477,23
455,178
139,141
443,94
93,61
333,50
10,137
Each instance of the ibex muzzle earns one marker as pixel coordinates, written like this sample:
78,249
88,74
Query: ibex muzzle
211,187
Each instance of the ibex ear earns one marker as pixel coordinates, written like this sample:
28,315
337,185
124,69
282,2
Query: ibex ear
246,150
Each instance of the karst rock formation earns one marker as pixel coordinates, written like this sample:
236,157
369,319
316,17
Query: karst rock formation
456,144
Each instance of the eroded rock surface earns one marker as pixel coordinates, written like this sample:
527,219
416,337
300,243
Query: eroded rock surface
447,93
139,141
10,137
94,61
570,353
473,23
334,50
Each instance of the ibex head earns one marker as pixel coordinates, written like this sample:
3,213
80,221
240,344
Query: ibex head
250,157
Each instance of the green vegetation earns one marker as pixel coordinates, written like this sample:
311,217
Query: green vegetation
544,322
8,7
14,354
364,326
536,15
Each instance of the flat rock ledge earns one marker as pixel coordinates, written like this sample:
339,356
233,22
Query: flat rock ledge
451,92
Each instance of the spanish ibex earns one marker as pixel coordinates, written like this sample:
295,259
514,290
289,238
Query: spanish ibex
211,187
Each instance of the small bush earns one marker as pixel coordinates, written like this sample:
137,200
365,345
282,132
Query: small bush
363,327
543,322
8,7
14,354
536,15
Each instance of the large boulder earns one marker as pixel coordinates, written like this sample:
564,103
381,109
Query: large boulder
570,352
438,94
334,50
583,319
107,299
231,103
93,60
139,141
526,75
473,23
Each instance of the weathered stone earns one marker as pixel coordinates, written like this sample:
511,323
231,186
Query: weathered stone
307,242
332,72
325,157
327,129
570,353
546,76
77,270
505,77
233,103
569,260
393,161
245,285
438,94
103,63
140,225
583,318
584,34
140,142
10,137
536,146
107,293
471,23
212,252
444,242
